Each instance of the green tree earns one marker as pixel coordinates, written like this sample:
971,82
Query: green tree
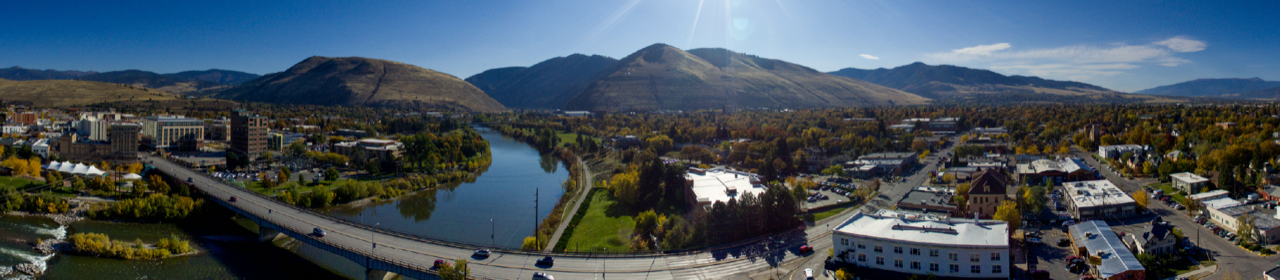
1008,212
1245,229
834,170
645,223
458,270
331,174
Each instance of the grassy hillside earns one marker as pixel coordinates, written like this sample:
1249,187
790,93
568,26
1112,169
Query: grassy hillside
664,77
959,84
70,93
363,81
546,85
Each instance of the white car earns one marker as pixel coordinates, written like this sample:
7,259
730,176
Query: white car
808,273
542,276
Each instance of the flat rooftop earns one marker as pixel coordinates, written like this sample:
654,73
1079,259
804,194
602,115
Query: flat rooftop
1188,177
952,232
1220,203
720,185
1208,194
1096,193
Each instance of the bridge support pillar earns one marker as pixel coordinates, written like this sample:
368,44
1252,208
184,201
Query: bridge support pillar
374,274
267,235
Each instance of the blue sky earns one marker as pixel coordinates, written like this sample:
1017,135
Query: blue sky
1123,45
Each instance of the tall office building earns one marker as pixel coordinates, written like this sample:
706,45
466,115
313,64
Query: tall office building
173,132
248,134
124,141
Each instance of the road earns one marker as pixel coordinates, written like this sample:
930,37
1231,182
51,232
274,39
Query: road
732,262
1231,259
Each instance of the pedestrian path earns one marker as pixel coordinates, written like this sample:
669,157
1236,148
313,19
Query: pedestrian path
1204,271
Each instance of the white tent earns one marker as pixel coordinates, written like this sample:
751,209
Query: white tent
93,171
80,169
132,176
66,167
53,165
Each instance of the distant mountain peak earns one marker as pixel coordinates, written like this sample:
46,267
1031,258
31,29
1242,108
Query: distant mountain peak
955,82
1224,87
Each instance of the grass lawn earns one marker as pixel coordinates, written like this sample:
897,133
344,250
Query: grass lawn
604,225
1170,191
257,186
16,182
830,212
573,138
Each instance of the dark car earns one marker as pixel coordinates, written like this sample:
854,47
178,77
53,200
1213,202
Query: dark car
318,232
547,261
233,199
189,180
1063,242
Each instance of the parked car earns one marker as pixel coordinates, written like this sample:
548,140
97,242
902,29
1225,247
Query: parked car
1034,240
1064,242
808,273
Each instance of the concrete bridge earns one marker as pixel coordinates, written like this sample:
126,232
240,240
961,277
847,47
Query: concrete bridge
385,253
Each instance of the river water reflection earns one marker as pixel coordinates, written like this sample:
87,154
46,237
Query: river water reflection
461,212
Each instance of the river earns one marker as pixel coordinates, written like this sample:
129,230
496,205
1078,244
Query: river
459,212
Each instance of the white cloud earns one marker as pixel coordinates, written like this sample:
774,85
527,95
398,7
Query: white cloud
867,56
1180,44
1078,62
983,49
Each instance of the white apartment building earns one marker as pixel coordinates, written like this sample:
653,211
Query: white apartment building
965,248
92,128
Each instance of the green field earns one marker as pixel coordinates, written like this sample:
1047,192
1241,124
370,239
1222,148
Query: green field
830,212
17,182
604,225
257,186
1170,191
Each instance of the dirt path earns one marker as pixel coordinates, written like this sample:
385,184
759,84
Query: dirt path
582,196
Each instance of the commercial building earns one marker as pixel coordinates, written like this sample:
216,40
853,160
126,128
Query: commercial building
1056,171
931,200
1227,212
248,135
709,186
1209,195
124,141
1096,241
1115,151
173,132
987,190
877,164
278,141
92,128
947,125
1088,200
27,118
41,148
965,248
1188,182
369,149
217,130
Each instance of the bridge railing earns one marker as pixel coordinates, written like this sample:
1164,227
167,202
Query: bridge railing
467,245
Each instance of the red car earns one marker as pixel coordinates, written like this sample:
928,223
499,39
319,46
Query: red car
440,262
806,249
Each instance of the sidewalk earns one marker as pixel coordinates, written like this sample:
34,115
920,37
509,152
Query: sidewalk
583,190
1202,272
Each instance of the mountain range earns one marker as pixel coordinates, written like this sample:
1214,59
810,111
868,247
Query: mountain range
188,82
71,92
1230,88
546,85
952,83
363,81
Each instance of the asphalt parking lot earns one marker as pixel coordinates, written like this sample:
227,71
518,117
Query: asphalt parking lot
1051,257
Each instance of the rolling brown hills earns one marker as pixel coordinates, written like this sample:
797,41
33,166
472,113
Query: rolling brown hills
546,85
54,93
662,77
363,81
948,83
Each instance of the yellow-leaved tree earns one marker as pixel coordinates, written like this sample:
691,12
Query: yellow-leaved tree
1008,212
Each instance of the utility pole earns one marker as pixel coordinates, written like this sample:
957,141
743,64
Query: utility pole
491,231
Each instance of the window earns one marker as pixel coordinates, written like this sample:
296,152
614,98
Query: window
897,249
879,249
862,257
974,257
953,256
880,260
844,242
955,268
897,263
862,245
975,269
995,269
915,251
915,265
933,267
995,256
933,253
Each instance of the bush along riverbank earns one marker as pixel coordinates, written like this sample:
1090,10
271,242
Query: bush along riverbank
101,245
